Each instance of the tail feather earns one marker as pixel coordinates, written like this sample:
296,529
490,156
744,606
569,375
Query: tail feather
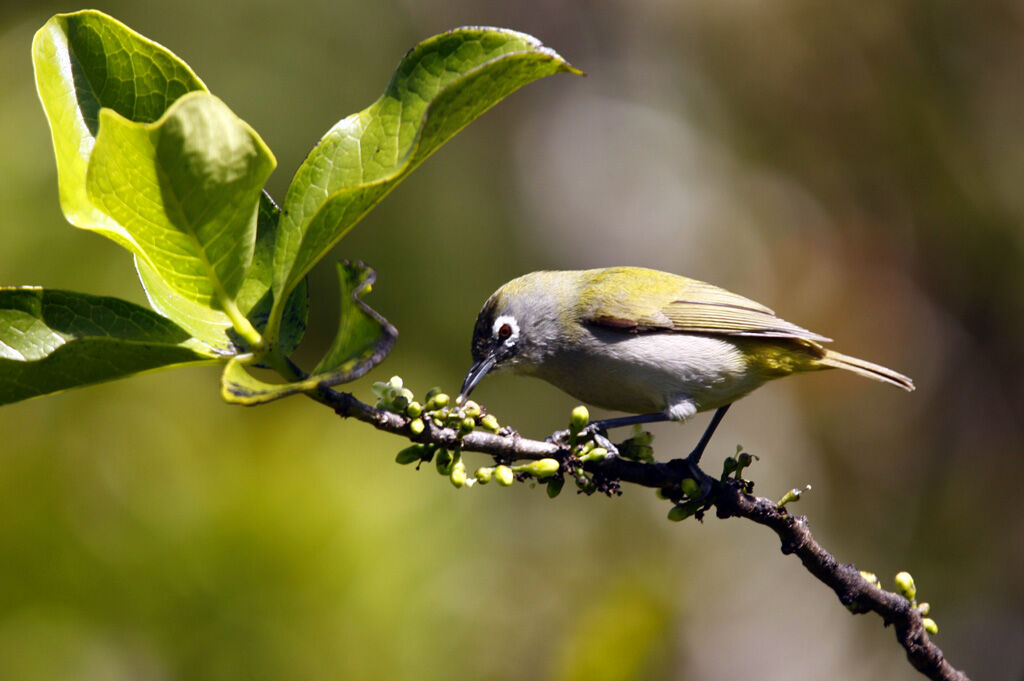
877,372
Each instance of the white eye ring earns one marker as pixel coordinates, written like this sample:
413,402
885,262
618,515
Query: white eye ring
506,329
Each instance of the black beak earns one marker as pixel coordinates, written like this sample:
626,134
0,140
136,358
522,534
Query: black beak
475,375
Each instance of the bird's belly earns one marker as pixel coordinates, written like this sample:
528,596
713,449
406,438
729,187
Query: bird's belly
655,372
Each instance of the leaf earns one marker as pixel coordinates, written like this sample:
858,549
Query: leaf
440,86
52,340
363,340
364,337
86,61
254,299
186,188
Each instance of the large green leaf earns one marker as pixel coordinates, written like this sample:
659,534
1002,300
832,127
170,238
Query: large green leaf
439,87
187,189
86,61
53,340
363,340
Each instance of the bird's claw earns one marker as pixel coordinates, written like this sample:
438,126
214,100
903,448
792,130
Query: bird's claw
687,468
594,431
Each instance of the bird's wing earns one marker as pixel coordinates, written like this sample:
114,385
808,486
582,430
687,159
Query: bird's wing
672,303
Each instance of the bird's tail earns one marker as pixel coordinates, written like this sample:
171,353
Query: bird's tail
859,366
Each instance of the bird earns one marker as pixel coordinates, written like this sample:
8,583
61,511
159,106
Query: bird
657,345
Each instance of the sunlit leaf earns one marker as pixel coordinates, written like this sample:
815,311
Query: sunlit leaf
186,188
86,61
52,340
440,86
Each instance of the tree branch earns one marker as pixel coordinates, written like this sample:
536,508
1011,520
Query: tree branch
726,496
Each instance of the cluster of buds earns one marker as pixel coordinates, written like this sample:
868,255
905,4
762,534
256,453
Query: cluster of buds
448,462
908,589
586,449
437,408
733,466
905,585
582,450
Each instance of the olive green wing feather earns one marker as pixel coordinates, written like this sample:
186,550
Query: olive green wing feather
637,300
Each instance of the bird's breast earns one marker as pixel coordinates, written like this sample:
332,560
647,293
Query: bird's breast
652,372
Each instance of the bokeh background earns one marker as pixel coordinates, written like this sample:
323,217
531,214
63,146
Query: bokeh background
856,166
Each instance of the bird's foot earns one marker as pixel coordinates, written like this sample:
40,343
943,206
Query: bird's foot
594,432
696,484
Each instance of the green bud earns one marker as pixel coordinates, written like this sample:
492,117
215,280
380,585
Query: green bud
467,425
578,419
395,382
905,583
504,476
410,455
431,393
585,483
555,485
471,409
729,465
414,410
484,475
594,454
791,495
458,474
929,625
399,404
924,608
489,422
690,487
541,468
440,399
681,512
444,462
379,388
417,426
871,578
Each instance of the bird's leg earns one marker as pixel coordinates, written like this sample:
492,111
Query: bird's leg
694,457
598,430
604,424
689,467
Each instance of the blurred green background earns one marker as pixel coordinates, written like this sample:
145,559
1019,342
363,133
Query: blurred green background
857,167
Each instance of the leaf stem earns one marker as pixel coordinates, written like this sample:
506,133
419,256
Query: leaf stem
273,328
243,327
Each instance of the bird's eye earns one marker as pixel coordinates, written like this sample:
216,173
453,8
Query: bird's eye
504,331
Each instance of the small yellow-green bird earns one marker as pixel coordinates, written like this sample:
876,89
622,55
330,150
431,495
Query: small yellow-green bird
657,345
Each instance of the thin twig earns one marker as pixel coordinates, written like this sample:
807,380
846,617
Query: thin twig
726,496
